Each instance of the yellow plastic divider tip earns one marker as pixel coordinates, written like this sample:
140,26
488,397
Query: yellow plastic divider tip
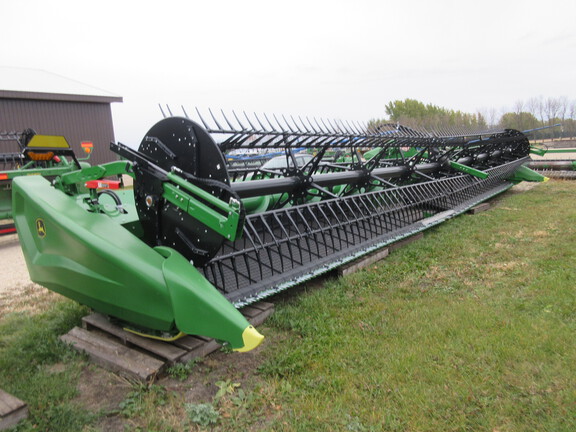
251,339
546,179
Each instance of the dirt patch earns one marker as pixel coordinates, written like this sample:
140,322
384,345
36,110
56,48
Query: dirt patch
523,187
200,386
100,390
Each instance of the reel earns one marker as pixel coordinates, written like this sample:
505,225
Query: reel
182,146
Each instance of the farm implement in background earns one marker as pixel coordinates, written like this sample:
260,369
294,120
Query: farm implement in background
192,242
26,154
560,163
553,162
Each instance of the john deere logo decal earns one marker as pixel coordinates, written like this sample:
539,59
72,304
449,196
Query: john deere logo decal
40,228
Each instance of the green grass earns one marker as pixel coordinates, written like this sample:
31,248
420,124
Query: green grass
39,369
469,329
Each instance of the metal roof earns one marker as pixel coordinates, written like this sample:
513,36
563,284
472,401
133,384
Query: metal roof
22,83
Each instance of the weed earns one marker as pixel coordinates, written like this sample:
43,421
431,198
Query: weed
141,398
225,388
226,348
202,414
181,371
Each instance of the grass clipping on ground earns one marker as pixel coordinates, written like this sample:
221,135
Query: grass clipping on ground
470,329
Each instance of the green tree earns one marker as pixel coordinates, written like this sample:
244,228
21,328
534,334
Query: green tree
519,120
416,114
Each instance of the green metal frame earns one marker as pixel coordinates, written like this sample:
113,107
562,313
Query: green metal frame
107,267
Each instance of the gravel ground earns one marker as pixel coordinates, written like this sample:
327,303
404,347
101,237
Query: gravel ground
13,271
17,292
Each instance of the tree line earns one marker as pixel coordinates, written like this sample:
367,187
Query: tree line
533,113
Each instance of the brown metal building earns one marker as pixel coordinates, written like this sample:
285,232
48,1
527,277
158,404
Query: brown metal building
54,105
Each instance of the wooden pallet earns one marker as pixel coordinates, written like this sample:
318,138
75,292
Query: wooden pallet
374,257
480,208
405,241
12,410
363,262
115,349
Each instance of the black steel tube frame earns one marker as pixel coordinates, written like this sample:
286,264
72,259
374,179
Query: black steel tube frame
280,248
384,199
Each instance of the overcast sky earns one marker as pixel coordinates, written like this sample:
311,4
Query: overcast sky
336,59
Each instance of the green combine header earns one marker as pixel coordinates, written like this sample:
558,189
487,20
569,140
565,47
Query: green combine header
193,241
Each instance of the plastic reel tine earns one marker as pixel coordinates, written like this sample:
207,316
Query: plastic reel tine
313,128
352,128
254,130
346,125
239,122
289,126
427,133
261,124
271,125
364,128
206,126
339,126
283,128
161,110
215,121
297,130
303,124
232,128
184,111
327,131
169,110
370,130
336,127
